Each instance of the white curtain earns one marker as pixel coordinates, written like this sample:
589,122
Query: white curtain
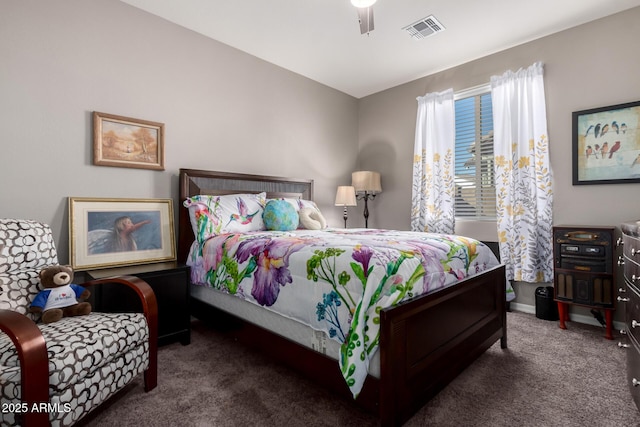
523,175
433,187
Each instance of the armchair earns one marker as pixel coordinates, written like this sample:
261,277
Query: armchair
59,372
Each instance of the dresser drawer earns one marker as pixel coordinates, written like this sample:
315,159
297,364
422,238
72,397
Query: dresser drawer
632,312
632,272
631,242
631,253
633,370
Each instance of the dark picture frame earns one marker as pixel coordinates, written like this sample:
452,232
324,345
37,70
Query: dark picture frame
606,145
117,232
127,142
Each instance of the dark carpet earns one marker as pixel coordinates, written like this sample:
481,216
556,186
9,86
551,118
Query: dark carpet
547,377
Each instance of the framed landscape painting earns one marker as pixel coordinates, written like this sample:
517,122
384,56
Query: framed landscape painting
127,142
117,232
606,145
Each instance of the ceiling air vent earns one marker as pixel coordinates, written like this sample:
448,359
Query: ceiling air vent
424,27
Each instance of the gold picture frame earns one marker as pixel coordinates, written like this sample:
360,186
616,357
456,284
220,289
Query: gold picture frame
117,232
127,142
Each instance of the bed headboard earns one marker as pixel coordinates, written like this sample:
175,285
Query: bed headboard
194,182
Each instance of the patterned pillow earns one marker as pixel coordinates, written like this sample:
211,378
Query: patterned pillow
280,215
233,213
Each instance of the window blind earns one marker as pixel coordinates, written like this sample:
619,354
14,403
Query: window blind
474,174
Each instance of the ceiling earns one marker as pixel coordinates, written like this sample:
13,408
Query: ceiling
321,40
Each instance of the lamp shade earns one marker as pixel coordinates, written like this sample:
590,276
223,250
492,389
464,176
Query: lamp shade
346,196
366,181
363,3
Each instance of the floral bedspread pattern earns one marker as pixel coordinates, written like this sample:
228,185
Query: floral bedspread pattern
336,280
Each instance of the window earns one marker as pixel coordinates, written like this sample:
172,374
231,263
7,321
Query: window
474,175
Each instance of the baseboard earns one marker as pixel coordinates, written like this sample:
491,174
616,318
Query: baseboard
524,308
578,318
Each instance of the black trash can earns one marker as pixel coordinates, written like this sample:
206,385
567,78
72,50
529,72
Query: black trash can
546,307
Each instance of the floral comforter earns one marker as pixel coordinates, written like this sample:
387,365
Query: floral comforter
336,280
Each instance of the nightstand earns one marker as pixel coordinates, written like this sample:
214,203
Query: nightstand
170,283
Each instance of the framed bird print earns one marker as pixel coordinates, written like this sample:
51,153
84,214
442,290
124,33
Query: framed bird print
606,145
117,232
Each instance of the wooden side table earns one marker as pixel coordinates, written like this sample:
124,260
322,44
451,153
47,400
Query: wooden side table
169,281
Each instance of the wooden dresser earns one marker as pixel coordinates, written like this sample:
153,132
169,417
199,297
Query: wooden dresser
629,298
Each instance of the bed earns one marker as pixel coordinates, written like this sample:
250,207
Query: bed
423,339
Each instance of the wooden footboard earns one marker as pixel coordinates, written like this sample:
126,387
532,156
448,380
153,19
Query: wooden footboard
425,343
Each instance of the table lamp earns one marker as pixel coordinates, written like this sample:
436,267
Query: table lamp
345,196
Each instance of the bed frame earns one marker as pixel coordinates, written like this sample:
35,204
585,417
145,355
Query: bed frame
416,359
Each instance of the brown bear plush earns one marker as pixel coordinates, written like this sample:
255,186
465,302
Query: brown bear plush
60,298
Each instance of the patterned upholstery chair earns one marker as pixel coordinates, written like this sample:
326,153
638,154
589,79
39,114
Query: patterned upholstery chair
57,373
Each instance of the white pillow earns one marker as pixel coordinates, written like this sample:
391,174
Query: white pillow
312,219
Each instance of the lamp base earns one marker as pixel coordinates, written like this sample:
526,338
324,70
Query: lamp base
344,216
366,196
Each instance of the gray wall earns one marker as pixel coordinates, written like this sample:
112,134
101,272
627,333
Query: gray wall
223,109
226,110
589,66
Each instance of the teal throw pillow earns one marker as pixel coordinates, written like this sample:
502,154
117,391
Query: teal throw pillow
280,215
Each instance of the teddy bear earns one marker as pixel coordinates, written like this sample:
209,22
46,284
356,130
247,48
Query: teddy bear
60,298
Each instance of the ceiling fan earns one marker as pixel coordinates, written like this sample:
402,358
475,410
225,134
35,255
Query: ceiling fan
365,14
